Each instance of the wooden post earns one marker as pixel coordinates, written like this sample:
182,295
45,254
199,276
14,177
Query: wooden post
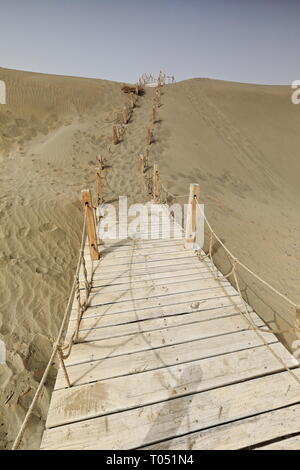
99,191
101,162
142,164
190,229
90,223
158,97
155,183
132,101
159,77
149,136
115,137
125,115
154,113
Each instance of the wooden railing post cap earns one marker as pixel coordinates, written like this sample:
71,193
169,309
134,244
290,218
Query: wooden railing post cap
194,190
86,196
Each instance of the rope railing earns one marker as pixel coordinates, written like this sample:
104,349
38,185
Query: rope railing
157,189
246,313
58,349
160,194
236,261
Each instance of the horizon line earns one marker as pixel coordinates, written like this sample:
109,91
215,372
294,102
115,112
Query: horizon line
131,82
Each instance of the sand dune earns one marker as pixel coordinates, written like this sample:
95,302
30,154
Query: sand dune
238,141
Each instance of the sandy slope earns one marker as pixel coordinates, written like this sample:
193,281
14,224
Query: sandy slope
41,219
238,141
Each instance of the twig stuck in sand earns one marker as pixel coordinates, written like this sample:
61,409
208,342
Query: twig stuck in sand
142,164
101,162
154,113
150,136
99,190
132,100
155,184
115,136
9,398
158,96
125,115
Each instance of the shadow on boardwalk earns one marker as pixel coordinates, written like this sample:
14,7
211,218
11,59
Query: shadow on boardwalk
175,413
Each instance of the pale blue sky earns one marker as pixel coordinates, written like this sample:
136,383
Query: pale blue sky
240,40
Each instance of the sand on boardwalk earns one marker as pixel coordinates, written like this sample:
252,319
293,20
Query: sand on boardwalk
238,141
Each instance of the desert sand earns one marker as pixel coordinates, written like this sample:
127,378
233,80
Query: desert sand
239,142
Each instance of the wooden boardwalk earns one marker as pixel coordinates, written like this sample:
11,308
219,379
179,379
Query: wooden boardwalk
166,360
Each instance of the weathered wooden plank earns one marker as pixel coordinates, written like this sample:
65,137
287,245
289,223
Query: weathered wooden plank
156,234
239,434
158,259
292,443
161,357
162,327
153,220
125,274
147,281
136,268
195,304
158,218
95,350
195,298
141,426
126,244
129,274
137,251
145,317
133,228
128,251
96,332
136,390
102,295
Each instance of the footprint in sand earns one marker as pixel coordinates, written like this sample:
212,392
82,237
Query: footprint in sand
47,228
41,270
23,232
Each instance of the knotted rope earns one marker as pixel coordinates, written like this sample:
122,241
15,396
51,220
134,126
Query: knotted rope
57,348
